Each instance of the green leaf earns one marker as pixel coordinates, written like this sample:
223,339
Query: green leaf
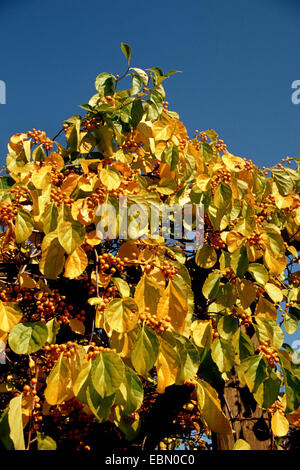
267,392
126,49
26,338
105,84
137,112
49,218
53,328
290,323
122,314
101,407
259,272
222,353
134,391
45,442
240,261
6,182
211,286
24,225
145,351
254,371
171,156
227,326
222,196
107,373
268,329
71,235
243,346
283,180
292,390
11,425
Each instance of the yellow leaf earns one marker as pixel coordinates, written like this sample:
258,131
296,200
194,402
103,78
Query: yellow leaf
56,160
110,178
240,444
10,315
210,408
294,418
26,281
76,263
279,424
266,309
275,263
233,163
70,183
246,292
92,239
202,333
147,294
77,326
41,177
234,241
173,305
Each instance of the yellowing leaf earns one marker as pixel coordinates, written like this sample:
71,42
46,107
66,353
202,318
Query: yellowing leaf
173,305
240,444
266,309
122,314
26,281
147,294
77,326
110,178
76,263
274,292
202,333
206,257
56,160
10,315
279,424
52,259
210,408
275,263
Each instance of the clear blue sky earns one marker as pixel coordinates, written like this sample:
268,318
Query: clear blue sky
238,58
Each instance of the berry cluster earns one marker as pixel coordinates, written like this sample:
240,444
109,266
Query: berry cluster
20,193
182,144
269,353
59,197
220,146
90,124
245,317
94,350
30,391
56,176
98,196
70,419
277,406
110,264
39,137
255,239
8,213
215,333
160,325
53,351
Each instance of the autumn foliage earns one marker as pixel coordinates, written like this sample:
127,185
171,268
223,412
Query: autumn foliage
103,338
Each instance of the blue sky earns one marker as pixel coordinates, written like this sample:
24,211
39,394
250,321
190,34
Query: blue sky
238,60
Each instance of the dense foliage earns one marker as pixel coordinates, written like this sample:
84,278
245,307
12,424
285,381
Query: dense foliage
104,339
